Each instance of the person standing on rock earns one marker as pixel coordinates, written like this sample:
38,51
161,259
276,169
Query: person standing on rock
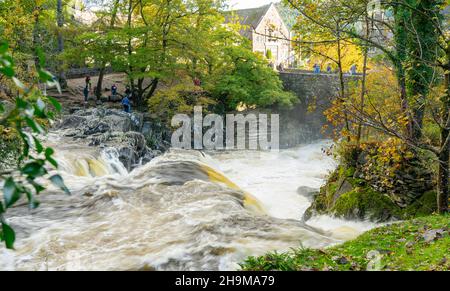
128,91
126,104
86,94
114,92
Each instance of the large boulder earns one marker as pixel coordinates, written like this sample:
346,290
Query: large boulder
110,129
348,197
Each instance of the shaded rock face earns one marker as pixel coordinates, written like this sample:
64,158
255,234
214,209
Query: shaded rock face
349,197
406,185
308,192
156,133
110,128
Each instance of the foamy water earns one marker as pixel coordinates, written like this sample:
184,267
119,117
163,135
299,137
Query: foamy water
183,211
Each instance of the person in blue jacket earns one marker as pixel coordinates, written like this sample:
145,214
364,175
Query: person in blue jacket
316,69
126,104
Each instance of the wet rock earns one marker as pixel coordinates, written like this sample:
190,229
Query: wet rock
308,192
115,98
71,121
341,260
432,235
344,187
110,128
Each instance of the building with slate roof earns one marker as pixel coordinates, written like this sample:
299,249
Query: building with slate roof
267,31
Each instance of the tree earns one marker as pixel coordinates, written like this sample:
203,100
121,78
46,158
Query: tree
60,23
417,53
246,79
26,120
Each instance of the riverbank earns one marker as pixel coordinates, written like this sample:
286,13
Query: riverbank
415,245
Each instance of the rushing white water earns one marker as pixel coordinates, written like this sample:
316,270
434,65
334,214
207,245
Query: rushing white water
178,212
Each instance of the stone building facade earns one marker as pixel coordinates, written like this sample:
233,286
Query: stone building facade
269,35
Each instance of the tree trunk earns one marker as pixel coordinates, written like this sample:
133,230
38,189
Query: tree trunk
152,89
60,21
444,156
98,91
103,64
140,93
342,81
36,37
363,81
129,46
400,37
443,185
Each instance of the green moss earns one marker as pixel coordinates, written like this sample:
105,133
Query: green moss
363,203
399,246
426,205
10,149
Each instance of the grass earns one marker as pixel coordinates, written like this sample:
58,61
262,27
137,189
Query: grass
406,246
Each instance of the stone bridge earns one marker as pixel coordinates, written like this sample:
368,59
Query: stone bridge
305,121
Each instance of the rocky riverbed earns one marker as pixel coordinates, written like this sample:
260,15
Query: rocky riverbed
136,138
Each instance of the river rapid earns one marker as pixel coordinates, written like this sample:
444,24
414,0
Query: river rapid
185,210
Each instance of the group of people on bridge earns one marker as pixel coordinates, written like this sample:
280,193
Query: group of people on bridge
317,69
126,98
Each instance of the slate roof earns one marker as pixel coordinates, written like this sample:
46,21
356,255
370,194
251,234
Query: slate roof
252,16
248,17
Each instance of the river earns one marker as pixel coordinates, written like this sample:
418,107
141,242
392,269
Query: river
185,210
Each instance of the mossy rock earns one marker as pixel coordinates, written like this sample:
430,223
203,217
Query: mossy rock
424,206
346,197
365,203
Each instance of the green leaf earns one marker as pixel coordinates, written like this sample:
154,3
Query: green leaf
52,162
8,235
38,187
54,83
45,76
34,169
2,210
55,103
58,181
41,57
10,192
34,126
49,152
7,71
32,202
40,104
38,145
21,104
18,83
3,48
48,155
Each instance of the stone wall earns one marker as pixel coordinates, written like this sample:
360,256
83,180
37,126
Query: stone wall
305,121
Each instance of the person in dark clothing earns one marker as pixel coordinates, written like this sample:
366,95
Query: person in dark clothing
114,91
86,93
88,82
128,91
329,69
